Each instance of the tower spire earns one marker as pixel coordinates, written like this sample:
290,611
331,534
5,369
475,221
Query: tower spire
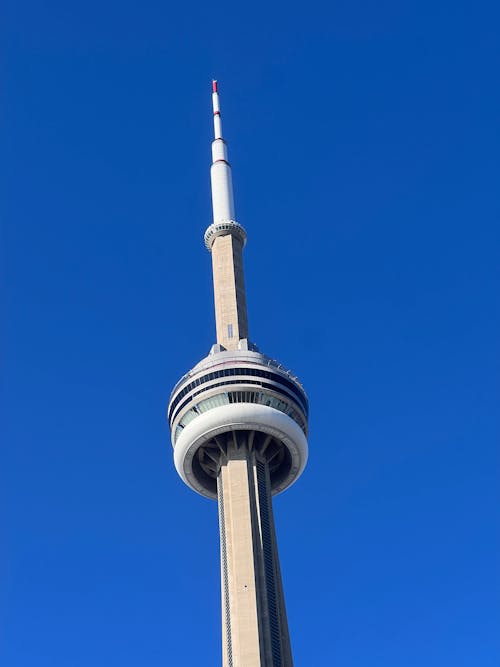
217,118
221,177
225,239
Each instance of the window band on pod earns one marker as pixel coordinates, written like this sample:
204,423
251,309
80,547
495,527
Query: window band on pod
230,372
246,381
228,397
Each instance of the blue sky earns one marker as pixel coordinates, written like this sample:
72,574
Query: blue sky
364,142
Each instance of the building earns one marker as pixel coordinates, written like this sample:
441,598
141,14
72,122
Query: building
238,422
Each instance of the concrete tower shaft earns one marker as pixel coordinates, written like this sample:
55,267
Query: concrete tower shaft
254,623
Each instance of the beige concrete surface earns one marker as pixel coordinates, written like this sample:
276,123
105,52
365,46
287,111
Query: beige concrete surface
254,624
229,291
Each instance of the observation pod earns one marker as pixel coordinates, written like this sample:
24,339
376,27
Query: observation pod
234,400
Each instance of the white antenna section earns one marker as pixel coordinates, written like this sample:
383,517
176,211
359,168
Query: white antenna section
220,172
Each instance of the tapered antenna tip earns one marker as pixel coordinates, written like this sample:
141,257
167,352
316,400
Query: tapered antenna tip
214,86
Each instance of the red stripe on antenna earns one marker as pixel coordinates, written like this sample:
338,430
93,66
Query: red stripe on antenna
214,86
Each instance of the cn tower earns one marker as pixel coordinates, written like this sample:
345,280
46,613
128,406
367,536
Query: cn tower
238,423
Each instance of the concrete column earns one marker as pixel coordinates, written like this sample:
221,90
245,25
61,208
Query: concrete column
254,625
229,291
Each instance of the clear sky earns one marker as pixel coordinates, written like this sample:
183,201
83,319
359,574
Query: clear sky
364,142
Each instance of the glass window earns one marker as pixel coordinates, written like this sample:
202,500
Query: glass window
189,416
